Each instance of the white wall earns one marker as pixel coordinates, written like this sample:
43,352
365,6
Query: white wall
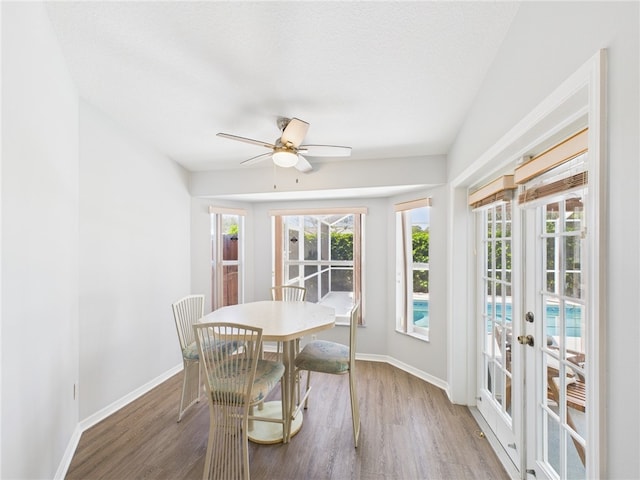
95,247
134,261
39,246
547,42
378,337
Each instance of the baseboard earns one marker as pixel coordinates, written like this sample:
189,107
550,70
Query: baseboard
127,399
405,367
63,467
97,417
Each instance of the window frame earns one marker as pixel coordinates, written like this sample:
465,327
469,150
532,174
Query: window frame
218,262
405,268
280,263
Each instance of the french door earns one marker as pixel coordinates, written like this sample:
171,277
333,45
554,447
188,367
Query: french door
535,331
555,342
499,388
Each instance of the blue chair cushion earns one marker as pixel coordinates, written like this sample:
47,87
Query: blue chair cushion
228,384
191,350
268,373
323,356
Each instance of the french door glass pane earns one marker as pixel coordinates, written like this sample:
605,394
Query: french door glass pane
553,445
497,303
564,351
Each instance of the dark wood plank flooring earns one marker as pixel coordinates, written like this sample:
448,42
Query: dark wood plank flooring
410,430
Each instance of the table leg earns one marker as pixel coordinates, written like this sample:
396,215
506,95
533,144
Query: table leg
280,413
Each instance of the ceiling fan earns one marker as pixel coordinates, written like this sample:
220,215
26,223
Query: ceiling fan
288,149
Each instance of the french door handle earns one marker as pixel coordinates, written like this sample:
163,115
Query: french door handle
526,340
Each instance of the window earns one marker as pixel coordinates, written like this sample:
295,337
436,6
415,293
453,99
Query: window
412,267
321,251
227,248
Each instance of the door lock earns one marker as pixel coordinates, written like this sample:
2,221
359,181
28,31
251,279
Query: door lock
526,340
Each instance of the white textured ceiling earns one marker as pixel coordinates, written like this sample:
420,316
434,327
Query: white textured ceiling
389,79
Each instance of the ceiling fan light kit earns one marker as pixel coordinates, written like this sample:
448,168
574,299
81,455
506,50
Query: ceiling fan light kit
284,158
286,149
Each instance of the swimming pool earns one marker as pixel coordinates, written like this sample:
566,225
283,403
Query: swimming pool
572,315
421,313
572,318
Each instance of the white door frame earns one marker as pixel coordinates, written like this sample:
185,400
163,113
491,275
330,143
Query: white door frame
579,101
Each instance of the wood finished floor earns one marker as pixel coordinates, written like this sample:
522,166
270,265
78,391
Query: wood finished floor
409,431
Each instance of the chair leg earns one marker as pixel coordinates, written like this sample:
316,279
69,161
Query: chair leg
191,383
183,393
245,451
355,409
208,461
297,379
228,447
284,411
306,401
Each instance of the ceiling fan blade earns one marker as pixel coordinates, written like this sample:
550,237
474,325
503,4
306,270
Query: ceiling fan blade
303,164
246,140
257,159
325,150
294,132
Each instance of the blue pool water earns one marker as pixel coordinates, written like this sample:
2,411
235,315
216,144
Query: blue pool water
421,313
573,317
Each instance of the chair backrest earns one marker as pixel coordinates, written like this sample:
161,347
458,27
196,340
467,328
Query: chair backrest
186,312
229,354
288,293
353,328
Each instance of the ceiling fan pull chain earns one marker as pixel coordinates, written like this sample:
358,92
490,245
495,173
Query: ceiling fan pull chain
275,173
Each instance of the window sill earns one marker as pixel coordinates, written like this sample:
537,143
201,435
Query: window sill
417,336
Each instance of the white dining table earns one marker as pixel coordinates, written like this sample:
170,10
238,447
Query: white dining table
280,322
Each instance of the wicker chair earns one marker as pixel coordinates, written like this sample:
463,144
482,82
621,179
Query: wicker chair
186,312
334,358
236,379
